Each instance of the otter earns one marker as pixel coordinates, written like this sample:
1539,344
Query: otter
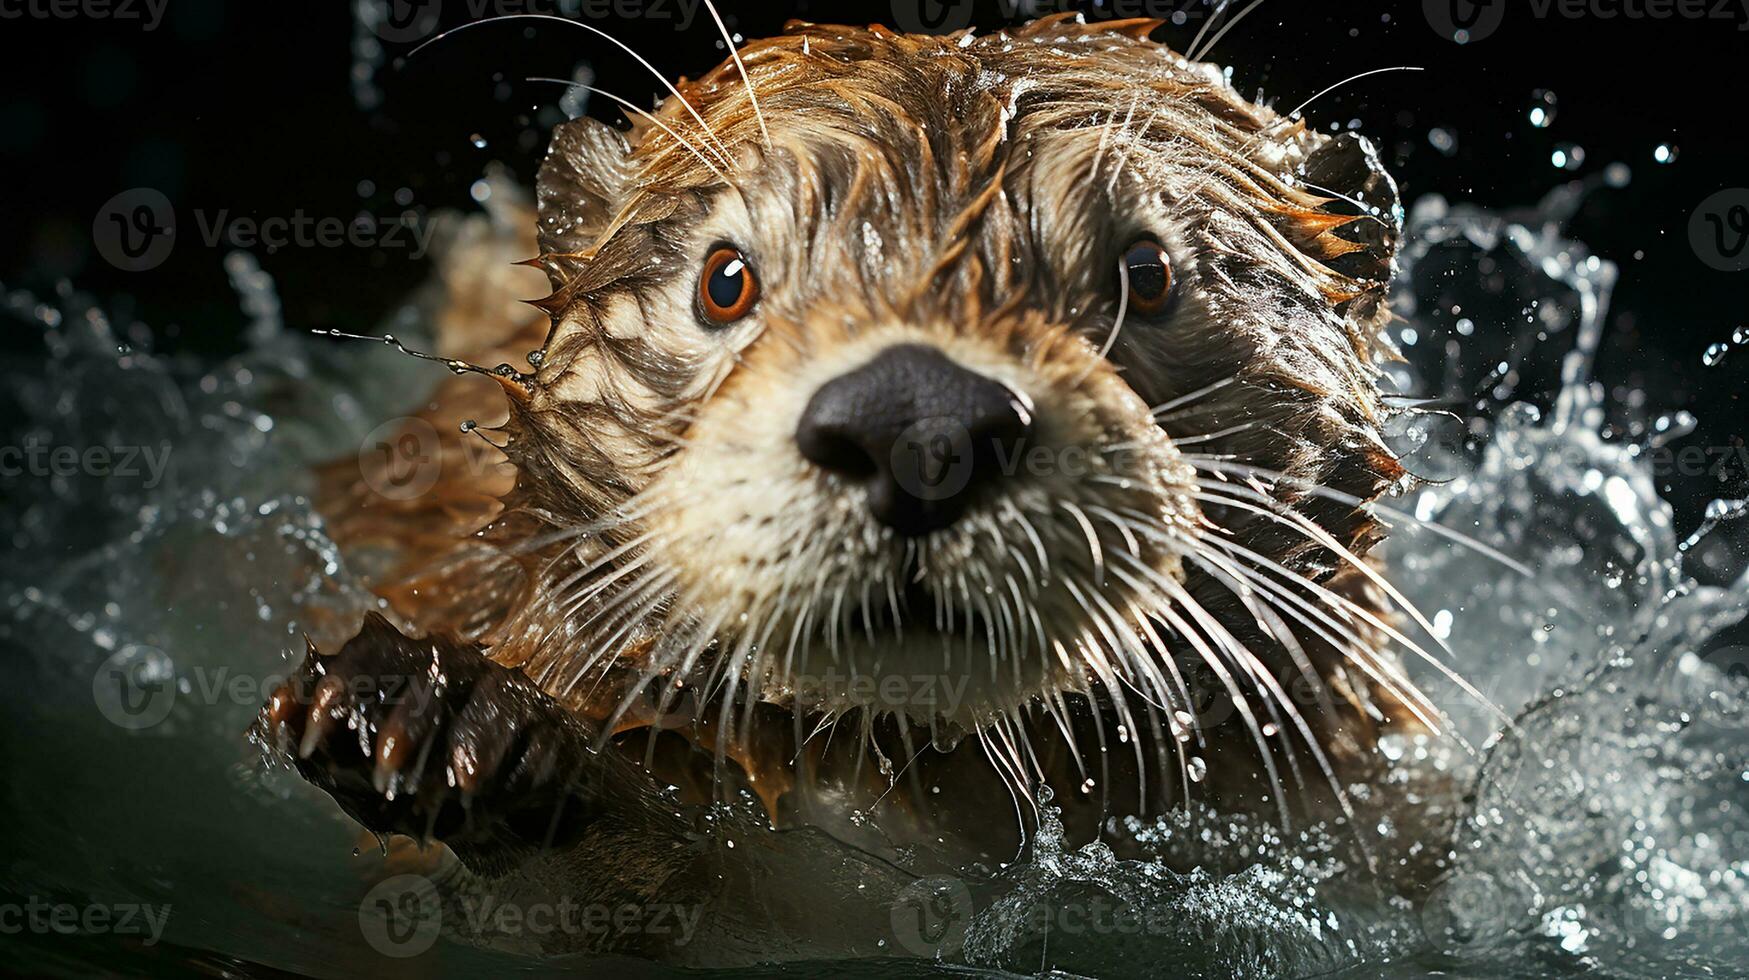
914,422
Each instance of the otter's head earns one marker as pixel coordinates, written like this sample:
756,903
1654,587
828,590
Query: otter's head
905,357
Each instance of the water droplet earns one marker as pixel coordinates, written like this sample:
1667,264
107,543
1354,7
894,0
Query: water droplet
1740,335
1197,769
1568,156
1443,140
1665,153
1675,425
1542,108
537,358
1726,510
1715,354
478,141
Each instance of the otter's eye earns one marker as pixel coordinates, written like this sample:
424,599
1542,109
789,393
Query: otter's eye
727,290
1150,274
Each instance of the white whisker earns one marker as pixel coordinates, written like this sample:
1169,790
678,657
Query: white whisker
683,141
1204,53
1242,469
721,150
1184,400
1376,71
740,66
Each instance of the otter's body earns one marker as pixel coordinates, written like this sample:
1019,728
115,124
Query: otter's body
919,420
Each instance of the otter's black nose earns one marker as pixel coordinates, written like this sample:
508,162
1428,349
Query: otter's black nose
919,431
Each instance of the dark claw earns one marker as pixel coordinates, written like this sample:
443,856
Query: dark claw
430,738
328,710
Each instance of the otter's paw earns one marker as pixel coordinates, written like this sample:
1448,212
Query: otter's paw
430,738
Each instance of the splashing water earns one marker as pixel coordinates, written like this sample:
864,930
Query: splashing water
1605,832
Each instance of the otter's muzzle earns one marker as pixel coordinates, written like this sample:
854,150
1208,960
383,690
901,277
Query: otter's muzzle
921,434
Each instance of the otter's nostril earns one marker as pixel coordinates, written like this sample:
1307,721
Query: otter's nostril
918,430
834,446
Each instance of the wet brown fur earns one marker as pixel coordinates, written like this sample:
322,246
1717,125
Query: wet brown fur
973,163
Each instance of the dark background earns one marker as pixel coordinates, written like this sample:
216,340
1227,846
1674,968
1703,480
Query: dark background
255,108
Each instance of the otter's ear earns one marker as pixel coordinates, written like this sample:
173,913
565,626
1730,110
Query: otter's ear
1349,166
582,184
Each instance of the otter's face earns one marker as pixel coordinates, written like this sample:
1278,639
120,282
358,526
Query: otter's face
908,380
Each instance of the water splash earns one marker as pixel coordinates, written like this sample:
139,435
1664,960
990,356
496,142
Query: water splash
1601,835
